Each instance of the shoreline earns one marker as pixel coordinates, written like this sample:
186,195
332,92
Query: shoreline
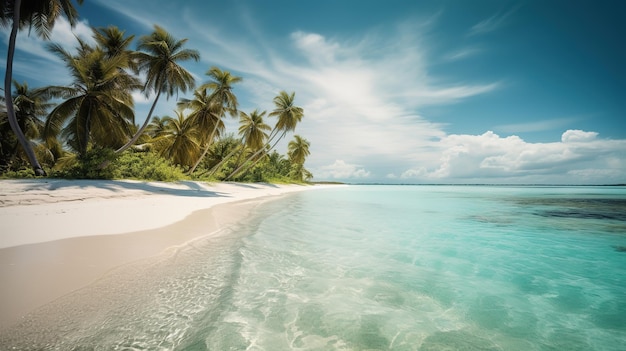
61,242
99,207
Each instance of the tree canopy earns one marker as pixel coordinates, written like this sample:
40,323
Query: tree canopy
87,128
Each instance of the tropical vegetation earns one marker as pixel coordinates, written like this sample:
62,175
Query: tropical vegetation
88,129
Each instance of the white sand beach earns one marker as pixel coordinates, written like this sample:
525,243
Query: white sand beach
57,236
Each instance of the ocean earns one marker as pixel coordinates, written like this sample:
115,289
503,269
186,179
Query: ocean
377,267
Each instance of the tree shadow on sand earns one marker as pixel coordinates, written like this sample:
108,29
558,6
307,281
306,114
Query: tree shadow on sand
181,188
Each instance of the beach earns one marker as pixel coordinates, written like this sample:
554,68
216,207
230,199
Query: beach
58,236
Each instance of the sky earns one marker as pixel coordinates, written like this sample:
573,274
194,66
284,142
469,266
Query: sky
402,91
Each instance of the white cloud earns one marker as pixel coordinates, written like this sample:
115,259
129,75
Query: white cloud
315,47
36,63
573,136
341,170
356,107
580,157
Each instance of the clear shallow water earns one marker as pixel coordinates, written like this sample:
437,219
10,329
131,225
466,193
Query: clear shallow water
433,268
391,268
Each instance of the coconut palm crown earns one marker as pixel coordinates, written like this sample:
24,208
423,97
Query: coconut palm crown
159,55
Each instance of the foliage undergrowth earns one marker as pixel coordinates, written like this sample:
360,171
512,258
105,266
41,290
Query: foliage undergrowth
106,164
19,174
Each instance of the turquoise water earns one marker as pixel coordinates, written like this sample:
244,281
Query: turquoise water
392,268
433,268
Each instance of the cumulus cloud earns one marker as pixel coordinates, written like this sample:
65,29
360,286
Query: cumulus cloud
579,157
341,170
573,136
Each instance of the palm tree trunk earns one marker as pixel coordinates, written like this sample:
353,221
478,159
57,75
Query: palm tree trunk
8,77
255,161
272,135
85,142
217,166
145,123
206,149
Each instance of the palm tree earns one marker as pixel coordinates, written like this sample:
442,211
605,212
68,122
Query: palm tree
208,110
288,115
253,130
180,141
40,14
220,152
112,41
253,134
221,84
163,73
298,150
157,127
99,103
31,106
278,164
298,172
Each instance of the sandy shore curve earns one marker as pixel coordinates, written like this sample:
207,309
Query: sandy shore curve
57,236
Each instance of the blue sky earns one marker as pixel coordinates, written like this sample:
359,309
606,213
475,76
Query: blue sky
406,91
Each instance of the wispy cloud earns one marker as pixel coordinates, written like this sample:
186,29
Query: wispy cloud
461,54
33,57
492,23
138,17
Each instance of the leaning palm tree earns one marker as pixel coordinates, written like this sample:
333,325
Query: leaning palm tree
209,109
99,104
40,14
221,85
288,116
163,73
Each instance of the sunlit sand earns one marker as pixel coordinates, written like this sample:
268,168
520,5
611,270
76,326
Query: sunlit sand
57,236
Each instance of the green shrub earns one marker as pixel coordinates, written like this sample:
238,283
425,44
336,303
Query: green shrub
146,166
95,164
106,164
22,173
